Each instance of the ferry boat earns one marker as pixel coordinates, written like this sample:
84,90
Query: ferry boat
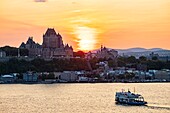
129,98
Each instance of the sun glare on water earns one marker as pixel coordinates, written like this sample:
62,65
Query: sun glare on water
86,38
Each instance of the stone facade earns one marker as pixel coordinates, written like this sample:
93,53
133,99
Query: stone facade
52,40
52,46
103,52
34,49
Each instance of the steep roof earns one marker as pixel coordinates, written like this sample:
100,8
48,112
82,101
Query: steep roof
30,41
7,76
22,45
50,31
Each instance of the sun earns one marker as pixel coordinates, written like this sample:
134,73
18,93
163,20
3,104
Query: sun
86,38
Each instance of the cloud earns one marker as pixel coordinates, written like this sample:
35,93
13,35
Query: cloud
40,0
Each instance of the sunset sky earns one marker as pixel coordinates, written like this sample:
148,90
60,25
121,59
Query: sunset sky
86,24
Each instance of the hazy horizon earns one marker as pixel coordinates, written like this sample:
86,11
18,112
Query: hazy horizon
86,25
119,49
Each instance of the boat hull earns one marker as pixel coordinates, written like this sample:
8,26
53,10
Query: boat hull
132,103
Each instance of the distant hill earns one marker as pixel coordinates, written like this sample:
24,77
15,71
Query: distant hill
137,52
138,49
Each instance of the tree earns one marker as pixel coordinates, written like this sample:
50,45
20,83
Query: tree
131,59
80,54
154,58
121,61
13,51
142,59
112,63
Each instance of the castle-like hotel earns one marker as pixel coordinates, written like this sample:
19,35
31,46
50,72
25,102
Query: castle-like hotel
52,46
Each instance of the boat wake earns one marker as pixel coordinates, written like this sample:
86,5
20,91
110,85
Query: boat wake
152,106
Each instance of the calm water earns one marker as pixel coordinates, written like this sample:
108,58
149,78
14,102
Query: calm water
81,98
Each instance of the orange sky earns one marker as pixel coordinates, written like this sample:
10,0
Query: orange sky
86,24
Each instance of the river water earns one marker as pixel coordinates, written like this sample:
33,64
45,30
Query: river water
81,98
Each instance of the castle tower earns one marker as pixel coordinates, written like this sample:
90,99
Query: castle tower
52,40
69,50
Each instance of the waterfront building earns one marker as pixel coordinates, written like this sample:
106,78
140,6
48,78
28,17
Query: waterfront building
8,78
83,79
30,77
162,75
52,46
68,76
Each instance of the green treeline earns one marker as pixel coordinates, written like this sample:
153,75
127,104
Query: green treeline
13,51
15,65
40,65
143,62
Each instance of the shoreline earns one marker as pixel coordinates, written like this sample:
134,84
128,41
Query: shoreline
81,82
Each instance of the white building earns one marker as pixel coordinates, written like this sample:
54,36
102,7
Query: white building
68,76
2,54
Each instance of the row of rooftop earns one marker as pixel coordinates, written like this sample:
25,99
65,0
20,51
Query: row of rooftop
102,74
